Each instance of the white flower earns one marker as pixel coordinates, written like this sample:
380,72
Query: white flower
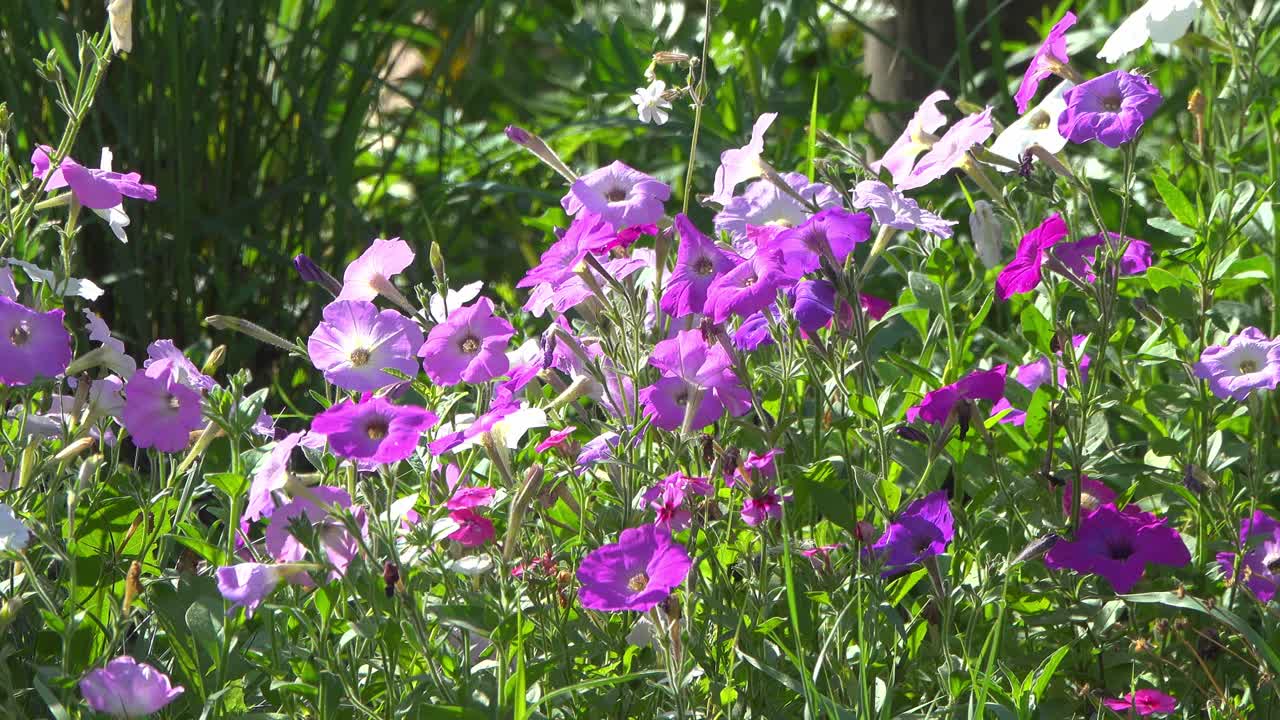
988,235
650,104
1160,21
115,216
472,565
120,15
1037,127
442,307
13,534
67,288
642,633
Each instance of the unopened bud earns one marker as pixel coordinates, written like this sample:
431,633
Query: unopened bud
437,261
390,577
5,118
1196,102
1195,479
671,57
1052,162
988,234
865,533
74,449
132,585
519,135
9,611
1148,311
910,434
313,273
541,150
214,361
253,330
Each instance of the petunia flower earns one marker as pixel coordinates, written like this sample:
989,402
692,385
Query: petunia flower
32,344
893,209
555,439
1143,703
936,406
1081,256
764,204
1093,495
505,424
370,274
748,288
1248,362
692,371
373,430
830,234
667,499
355,343
596,450
1037,127
1110,108
473,530
65,287
1118,545
471,346
922,530
99,189
1022,275
126,688
270,476
915,139
117,360
1159,21
814,304
1032,375
699,261
184,371
741,164
13,534
1049,59
620,194
1259,556
316,509
159,410
650,104
635,573
762,506
951,150
247,585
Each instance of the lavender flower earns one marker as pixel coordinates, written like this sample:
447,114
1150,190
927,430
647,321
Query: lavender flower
1110,108
1118,545
270,476
117,360
951,151
764,203
95,189
699,261
159,410
635,573
32,344
1050,59
373,430
893,209
748,288
184,371
1080,257
692,372
620,194
596,450
470,346
1248,362
830,234
936,406
921,531
247,585
915,139
370,274
1143,703
127,688
1023,273
1259,551
741,164
355,343
316,508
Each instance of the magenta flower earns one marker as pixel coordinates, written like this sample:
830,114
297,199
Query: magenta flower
466,498
692,370
1143,703
1118,545
1248,362
473,530
764,204
921,531
741,164
1033,375
1110,108
1260,556
830,234
762,506
635,573
893,209
699,261
936,406
917,138
316,508
748,288
184,371
355,343
667,499
620,194
1023,273
588,233
950,151
127,688
1093,495
32,344
159,411
1081,256
873,306
555,439
247,585
373,430
370,274
270,476
1049,59
470,346
96,189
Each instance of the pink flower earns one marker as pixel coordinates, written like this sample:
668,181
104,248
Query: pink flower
470,346
1144,702
1022,275
764,506
96,189
373,430
951,150
370,274
555,439
620,194
1049,59
159,411
936,406
741,164
917,138
127,688
473,530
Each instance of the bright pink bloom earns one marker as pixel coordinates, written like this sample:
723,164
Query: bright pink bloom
1023,273
1050,57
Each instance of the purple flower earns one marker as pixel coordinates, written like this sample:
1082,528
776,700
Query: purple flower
32,344
1032,375
470,346
184,371
1248,362
692,370
635,573
316,508
620,194
160,411
754,331
891,208
1093,495
373,430
830,234
556,439
741,164
873,306
1023,273
595,450
247,585
1118,544
310,272
699,261
667,499
95,189
370,274
355,343
748,288
814,304
917,138
936,406
1049,59
1080,257
473,530
1143,703
921,531
127,688
1260,556
764,204
588,233
1110,108
951,150
505,423
762,506
270,476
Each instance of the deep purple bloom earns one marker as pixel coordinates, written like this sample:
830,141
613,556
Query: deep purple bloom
936,406
830,234
692,370
316,507
1049,59
1260,556
762,506
1118,545
1143,703
814,304
748,288
1023,273
754,331
951,150
355,342
247,585
32,344
470,346
1032,375
635,573
699,261
96,189
310,272
764,204
921,531
160,411
473,530
892,208
915,139
1248,362
127,688
1081,256
373,430
1110,108
741,164
370,274
620,194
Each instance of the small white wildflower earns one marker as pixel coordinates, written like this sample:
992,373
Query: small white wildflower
987,233
442,307
13,534
650,104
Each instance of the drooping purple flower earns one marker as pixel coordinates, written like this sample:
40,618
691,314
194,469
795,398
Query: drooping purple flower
1110,108
1118,545
814,304
96,189
754,331
761,506
373,430
951,150
473,530
310,272
1022,274
1049,59
32,344
370,274
921,531
741,164
915,139
1032,375
748,288
160,411
692,371
699,261
635,573
1259,556
892,208
1248,362
247,585
596,450
316,507
620,194
1147,701
126,688
1081,256
764,203
270,476
471,346
936,406
830,234
356,342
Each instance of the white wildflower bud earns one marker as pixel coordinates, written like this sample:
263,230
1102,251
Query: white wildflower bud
120,15
988,234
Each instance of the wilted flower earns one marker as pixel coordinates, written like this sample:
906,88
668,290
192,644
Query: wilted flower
1038,127
1259,556
1081,256
120,17
32,344
699,261
248,584
370,274
915,139
159,410
127,688
13,534
1118,545
99,189
765,204
1160,21
356,342
116,359
650,104
595,450
635,573
620,194
1143,703
1050,59
1248,362
1023,273
741,164
1110,108
895,210
555,439
936,406
470,346
921,531
373,430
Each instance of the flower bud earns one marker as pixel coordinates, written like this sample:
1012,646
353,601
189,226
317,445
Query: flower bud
988,234
214,361
390,577
132,585
519,135
9,611
437,261
313,273
671,57
253,330
910,434
74,449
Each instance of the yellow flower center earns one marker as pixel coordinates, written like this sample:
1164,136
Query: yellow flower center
470,345
359,357
376,430
638,582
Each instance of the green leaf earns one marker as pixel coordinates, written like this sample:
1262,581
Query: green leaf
1173,227
927,292
1161,279
1178,204
1224,616
1047,669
